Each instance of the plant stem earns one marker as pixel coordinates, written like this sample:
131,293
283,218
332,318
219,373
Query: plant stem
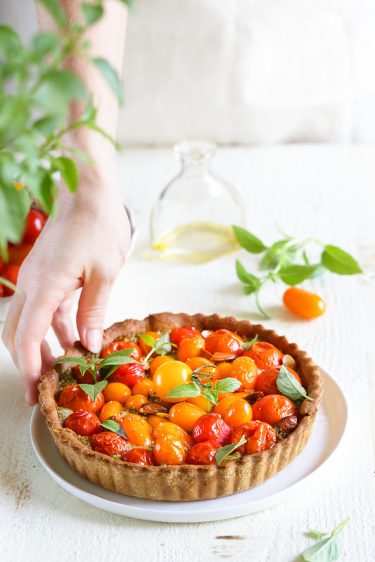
265,314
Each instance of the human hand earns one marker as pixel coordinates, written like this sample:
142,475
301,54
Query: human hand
85,246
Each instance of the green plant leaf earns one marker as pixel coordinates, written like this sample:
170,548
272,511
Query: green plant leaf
92,12
252,282
74,360
248,344
163,345
44,43
328,547
57,88
56,11
49,124
149,340
68,170
10,43
248,240
211,395
295,274
111,76
317,535
271,257
289,386
14,204
338,261
93,390
112,425
229,384
223,453
189,390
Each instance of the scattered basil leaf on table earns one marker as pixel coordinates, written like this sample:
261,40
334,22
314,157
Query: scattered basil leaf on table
327,547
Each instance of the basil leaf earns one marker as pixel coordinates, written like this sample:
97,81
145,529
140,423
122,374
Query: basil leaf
189,390
338,261
271,257
112,425
289,386
68,170
229,384
295,274
149,340
248,240
251,281
92,390
224,452
317,535
327,550
211,395
56,11
122,360
92,12
110,75
248,344
163,344
75,360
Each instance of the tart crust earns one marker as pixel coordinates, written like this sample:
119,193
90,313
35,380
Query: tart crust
185,482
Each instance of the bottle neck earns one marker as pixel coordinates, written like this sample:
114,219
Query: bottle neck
195,157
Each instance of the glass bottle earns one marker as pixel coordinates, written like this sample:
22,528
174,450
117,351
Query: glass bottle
191,221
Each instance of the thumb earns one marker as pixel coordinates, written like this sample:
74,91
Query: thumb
91,312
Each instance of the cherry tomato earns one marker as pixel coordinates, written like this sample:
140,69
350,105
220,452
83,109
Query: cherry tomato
1,290
118,345
139,455
168,376
190,347
260,437
185,415
155,420
143,345
245,371
178,334
110,409
135,401
204,367
35,222
169,450
10,272
211,427
109,443
224,369
173,430
202,453
17,253
264,354
145,387
224,341
128,374
234,411
74,398
83,423
137,430
266,381
155,363
272,408
304,303
116,391
201,401
87,378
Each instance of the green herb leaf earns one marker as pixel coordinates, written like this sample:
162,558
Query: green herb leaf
248,240
223,453
328,547
289,386
149,340
338,261
75,360
317,535
92,12
229,384
93,390
56,11
248,344
211,395
189,390
252,282
271,257
112,425
110,75
121,357
10,43
163,344
295,274
68,170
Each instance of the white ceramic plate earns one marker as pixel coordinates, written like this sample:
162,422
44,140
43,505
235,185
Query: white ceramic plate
327,434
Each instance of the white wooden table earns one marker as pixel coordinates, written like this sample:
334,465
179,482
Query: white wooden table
325,191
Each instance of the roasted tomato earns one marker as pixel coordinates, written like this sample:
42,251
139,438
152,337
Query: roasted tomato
169,450
260,437
202,402
139,455
190,347
264,354
174,430
110,410
118,345
211,427
225,342
116,391
35,222
18,253
109,443
128,374
159,360
206,369
178,334
135,401
304,303
137,430
266,381
10,272
245,371
145,387
83,423
235,411
143,345
74,398
272,408
202,453
185,415
168,376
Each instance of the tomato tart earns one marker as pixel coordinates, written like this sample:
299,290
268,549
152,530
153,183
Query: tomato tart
181,408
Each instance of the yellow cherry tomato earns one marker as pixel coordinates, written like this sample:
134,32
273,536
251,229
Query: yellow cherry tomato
159,360
109,410
185,415
137,430
169,375
116,391
144,387
135,401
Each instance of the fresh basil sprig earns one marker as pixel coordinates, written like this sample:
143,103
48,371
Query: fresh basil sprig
208,390
287,260
224,452
161,346
112,425
289,386
327,547
93,390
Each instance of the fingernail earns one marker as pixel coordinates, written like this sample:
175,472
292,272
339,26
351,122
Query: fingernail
94,340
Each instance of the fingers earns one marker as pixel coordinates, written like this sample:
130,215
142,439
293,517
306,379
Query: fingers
91,310
12,322
63,324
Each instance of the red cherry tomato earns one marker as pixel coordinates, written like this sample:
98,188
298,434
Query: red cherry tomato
272,408
178,334
212,428
18,253
304,303
224,341
123,344
83,423
10,272
260,437
1,290
129,374
139,455
266,380
35,222
109,443
202,453
74,398
264,354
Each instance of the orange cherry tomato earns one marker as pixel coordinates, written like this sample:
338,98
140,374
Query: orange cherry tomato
303,303
110,410
155,420
190,347
169,450
83,423
266,381
204,367
137,430
139,455
224,368
135,401
168,376
224,341
74,398
272,408
118,345
211,427
260,437
116,391
143,345
201,401
264,354
109,443
234,411
174,430
185,415
159,360
144,387
202,453
245,371
178,334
